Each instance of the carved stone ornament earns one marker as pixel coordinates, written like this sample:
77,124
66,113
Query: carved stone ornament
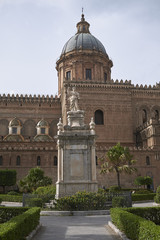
60,125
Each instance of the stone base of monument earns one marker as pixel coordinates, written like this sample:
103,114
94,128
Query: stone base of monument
70,188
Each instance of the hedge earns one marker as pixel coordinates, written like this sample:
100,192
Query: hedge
143,197
157,197
135,227
7,178
34,202
82,201
10,198
6,213
149,213
119,202
20,226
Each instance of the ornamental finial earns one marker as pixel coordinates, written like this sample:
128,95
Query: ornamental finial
82,17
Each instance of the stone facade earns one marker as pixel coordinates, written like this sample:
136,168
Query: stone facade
122,112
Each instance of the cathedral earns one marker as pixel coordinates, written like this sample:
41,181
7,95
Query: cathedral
122,112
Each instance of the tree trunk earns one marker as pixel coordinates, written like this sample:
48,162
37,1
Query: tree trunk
118,179
3,189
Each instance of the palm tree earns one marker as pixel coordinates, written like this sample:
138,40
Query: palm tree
118,159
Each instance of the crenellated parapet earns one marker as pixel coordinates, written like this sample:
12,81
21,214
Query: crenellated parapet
40,99
120,82
137,86
101,85
111,84
157,86
104,148
27,147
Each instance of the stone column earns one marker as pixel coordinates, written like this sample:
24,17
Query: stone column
93,164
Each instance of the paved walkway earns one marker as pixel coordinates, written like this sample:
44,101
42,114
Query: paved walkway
75,228
145,204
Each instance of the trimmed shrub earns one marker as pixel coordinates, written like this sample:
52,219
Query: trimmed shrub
102,191
20,226
46,193
82,201
149,213
10,198
114,189
7,178
6,213
157,197
12,193
34,202
118,201
135,227
50,189
143,197
142,191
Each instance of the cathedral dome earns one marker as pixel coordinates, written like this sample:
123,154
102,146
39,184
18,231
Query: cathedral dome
83,40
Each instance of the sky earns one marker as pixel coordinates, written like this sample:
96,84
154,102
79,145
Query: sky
33,33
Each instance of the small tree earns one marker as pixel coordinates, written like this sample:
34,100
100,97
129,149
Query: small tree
143,181
118,159
139,181
7,178
157,197
34,179
148,181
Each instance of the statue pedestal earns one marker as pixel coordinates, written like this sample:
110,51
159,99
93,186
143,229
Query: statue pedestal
76,156
75,118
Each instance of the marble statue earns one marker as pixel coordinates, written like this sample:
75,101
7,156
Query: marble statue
73,99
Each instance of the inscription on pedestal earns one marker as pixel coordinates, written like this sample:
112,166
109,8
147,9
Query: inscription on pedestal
76,164
76,147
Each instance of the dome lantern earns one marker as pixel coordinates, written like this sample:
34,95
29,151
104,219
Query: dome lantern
83,26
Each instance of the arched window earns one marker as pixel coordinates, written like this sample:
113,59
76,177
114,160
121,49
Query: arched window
96,160
105,77
55,160
38,161
18,161
144,116
147,160
1,160
99,117
68,75
156,114
88,74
